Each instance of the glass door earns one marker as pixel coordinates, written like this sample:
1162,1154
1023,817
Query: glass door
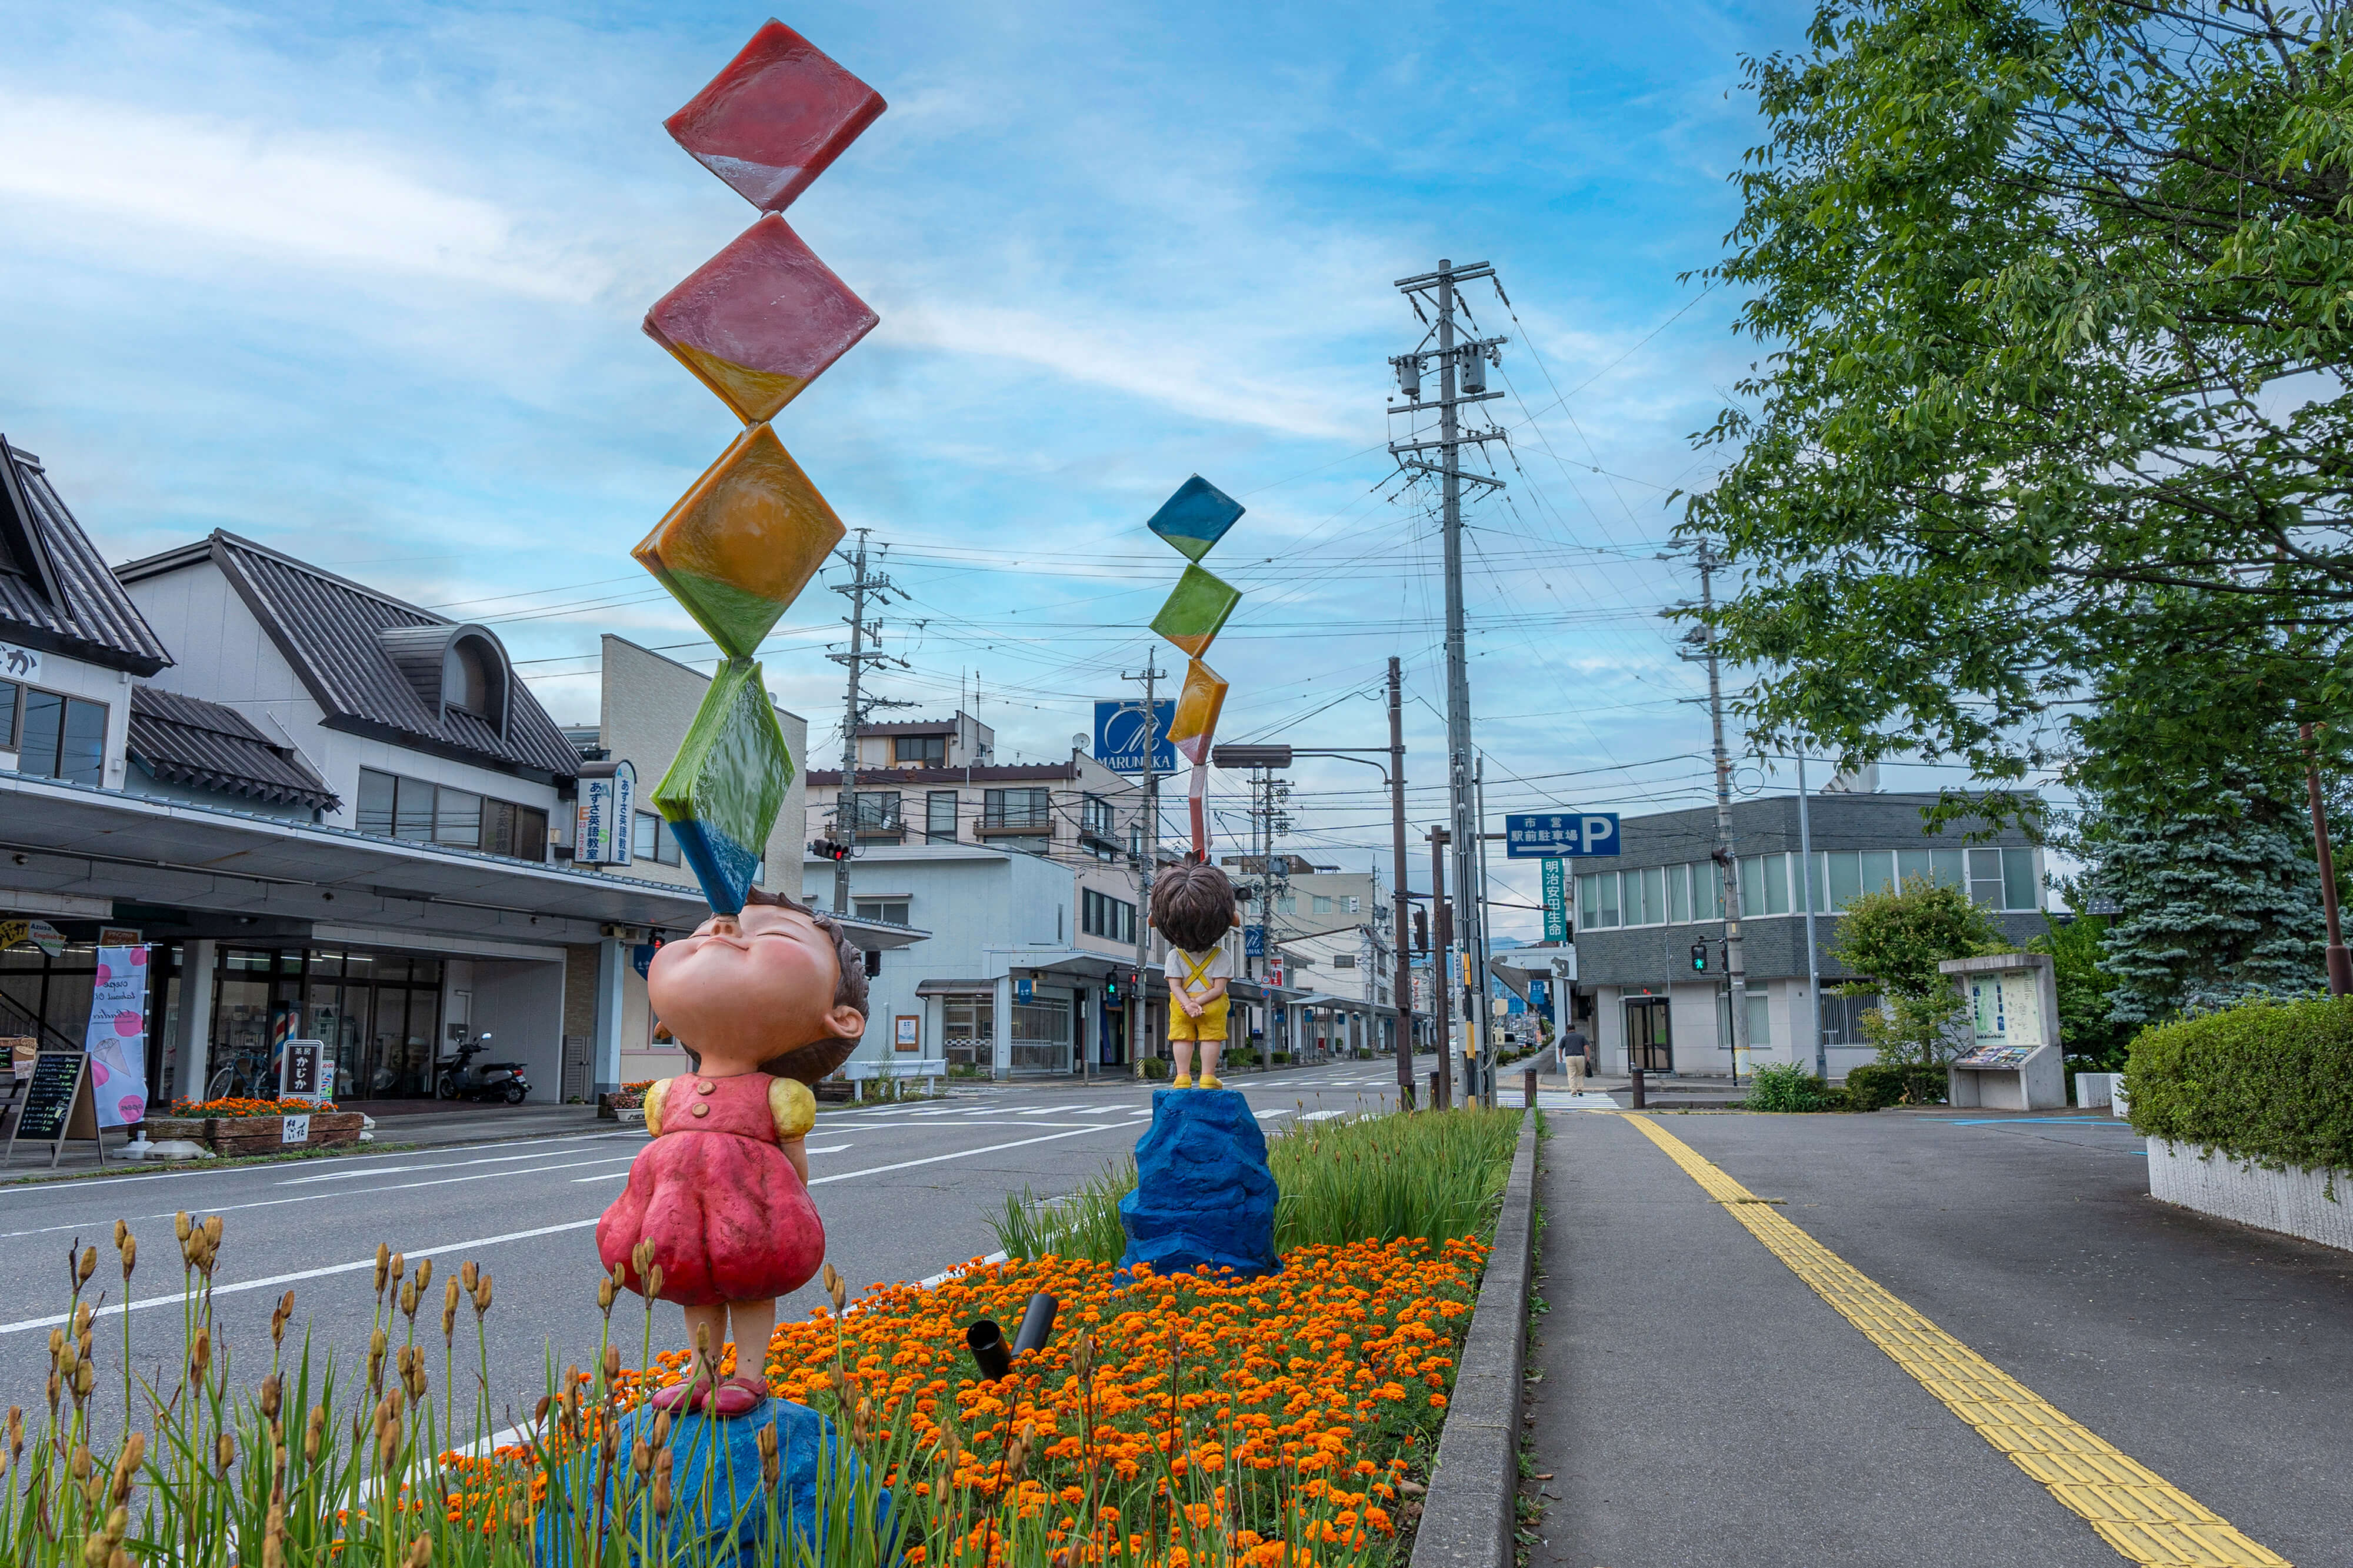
1650,1038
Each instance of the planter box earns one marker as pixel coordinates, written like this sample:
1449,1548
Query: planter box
235,1135
2292,1202
186,1129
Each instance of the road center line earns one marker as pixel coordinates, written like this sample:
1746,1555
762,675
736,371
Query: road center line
2147,1519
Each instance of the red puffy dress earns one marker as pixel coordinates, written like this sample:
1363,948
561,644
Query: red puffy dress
726,1212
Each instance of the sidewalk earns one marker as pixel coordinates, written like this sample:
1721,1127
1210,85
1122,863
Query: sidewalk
425,1123
1702,1403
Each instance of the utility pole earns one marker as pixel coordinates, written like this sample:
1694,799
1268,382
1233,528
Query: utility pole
1734,976
860,588
1462,368
1813,954
1404,993
1139,1012
1483,1008
1267,821
1441,967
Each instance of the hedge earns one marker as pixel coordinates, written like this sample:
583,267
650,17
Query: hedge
2266,1081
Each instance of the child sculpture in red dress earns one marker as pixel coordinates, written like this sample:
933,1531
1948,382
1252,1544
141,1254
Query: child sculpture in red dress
764,1004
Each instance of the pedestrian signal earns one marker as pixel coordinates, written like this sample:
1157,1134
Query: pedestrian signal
1699,957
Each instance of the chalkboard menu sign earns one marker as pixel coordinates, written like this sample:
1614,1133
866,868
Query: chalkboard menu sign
57,1105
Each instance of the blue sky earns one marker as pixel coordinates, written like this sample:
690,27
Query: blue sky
365,284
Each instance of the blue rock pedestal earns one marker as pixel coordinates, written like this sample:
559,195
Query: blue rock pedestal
720,1512
1204,1195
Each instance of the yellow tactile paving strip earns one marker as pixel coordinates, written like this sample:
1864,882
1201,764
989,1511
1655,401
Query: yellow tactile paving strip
2138,1511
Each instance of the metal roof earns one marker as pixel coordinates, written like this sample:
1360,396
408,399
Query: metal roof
56,593
991,773
188,741
330,629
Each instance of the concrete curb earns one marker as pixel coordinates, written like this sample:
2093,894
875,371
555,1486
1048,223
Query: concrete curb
1467,1519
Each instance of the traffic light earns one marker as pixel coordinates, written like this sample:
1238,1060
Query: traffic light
1699,958
1421,929
826,849
1110,988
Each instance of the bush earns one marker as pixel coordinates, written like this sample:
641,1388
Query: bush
1156,1067
1875,1086
1786,1086
2267,1081
1430,1175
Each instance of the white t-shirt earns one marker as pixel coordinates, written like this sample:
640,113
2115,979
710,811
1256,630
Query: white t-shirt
1220,966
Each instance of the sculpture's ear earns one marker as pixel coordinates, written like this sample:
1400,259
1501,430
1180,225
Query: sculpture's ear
845,1022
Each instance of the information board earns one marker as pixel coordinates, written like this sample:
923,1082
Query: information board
57,1106
1532,835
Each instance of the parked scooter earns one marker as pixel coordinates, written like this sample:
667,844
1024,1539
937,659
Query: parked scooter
466,1078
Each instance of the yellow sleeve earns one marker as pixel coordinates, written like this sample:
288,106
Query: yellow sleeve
793,1106
654,1093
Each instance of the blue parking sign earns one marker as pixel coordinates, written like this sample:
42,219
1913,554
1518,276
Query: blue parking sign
1538,835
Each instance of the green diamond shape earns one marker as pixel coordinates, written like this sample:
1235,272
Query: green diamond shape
724,793
1196,609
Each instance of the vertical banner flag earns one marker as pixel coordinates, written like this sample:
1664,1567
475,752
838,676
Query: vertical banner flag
1556,899
117,1041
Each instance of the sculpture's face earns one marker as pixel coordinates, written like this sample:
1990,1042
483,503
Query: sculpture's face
743,991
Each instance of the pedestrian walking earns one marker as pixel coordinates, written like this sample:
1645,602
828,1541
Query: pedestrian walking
1573,1049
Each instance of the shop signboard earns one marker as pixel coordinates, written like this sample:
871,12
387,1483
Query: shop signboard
294,1129
57,1106
19,663
119,936
117,1037
608,804
1556,899
304,1071
1119,735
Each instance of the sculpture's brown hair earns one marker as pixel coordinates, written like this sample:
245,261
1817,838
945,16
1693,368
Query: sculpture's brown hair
1192,905
813,1059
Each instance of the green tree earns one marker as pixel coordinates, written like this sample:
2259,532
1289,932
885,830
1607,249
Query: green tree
1897,938
2056,401
2217,900
2092,1041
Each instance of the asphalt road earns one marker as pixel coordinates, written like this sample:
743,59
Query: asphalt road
1702,1404
905,1191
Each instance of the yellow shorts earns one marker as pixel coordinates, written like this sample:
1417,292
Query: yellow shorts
1209,1025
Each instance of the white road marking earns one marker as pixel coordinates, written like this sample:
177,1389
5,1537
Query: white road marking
825,1148
70,1188
1269,1115
908,1164
1321,1115
1033,1113
30,1324
403,1170
337,1193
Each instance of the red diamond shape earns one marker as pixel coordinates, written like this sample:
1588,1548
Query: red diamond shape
775,118
760,320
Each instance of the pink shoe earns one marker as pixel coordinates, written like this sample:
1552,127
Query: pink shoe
689,1395
739,1396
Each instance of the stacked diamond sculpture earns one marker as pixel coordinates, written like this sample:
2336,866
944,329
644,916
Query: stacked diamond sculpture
756,323
1192,521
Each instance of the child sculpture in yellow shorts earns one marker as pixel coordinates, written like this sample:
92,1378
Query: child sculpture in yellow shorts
1193,907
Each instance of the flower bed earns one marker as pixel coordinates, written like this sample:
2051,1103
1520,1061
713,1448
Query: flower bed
230,1126
1180,1422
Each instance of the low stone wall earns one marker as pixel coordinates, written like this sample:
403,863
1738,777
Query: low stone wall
2293,1201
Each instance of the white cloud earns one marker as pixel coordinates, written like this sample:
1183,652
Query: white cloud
334,200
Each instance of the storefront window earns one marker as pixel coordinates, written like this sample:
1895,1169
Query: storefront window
378,1012
968,1028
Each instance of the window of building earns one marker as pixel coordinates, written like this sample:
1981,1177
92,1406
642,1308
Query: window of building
650,838
940,817
877,810
1095,816
968,1028
466,678
1041,1034
393,806
8,699
1761,1017
1100,914
57,736
1018,808
1678,894
1287,904
920,751
1356,907
891,910
1323,905
1344,961
1842,1018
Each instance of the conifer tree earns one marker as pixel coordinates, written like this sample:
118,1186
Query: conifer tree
2212,901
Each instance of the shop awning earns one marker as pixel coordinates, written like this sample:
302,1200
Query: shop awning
67,839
